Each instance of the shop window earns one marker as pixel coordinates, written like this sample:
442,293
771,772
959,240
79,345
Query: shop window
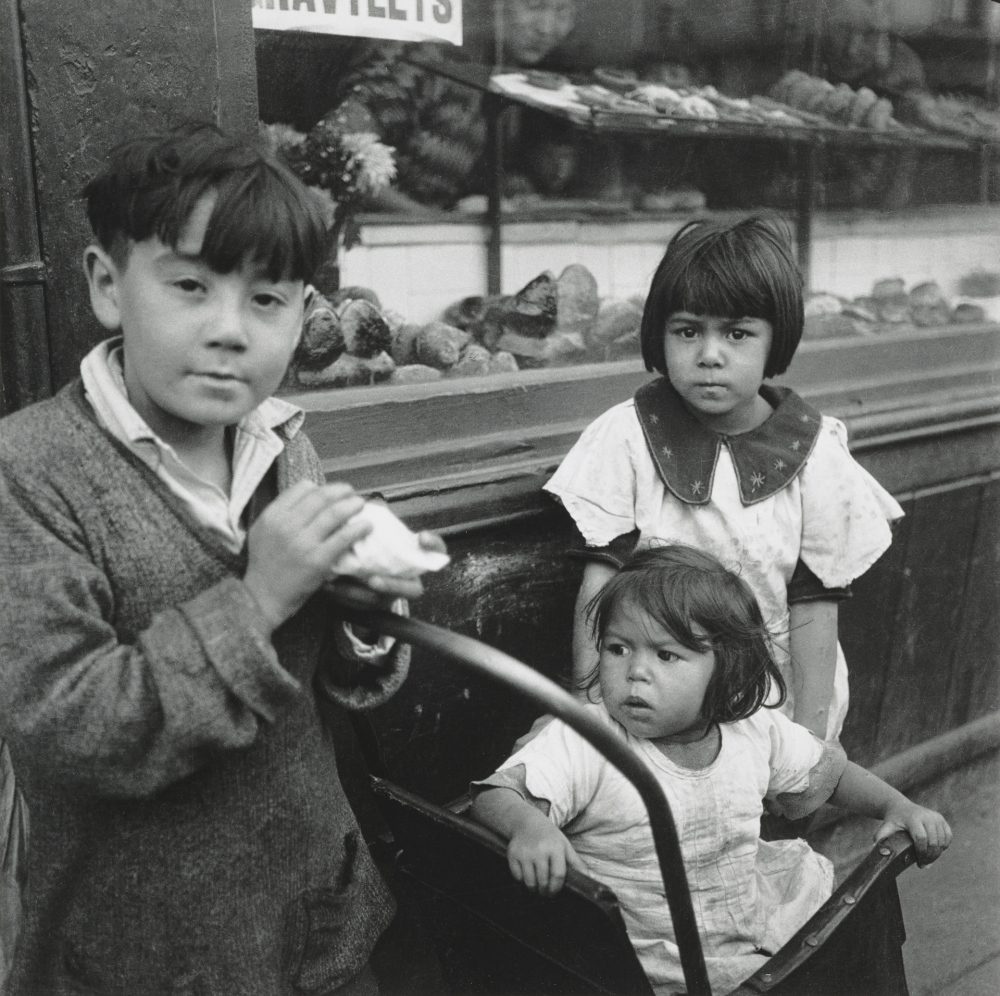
459,315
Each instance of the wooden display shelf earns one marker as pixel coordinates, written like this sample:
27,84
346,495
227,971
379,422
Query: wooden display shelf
456,452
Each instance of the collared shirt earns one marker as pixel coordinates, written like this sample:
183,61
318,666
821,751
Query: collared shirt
686,453
760,502
259,439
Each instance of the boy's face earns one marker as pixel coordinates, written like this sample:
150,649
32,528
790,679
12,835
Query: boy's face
201,349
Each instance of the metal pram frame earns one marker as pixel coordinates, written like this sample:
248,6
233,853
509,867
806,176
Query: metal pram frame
457,871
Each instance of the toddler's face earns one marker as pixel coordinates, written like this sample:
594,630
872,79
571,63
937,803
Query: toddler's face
716,365
653,685
202,349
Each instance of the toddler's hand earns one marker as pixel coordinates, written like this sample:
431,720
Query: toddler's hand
539,856
295,540
929,830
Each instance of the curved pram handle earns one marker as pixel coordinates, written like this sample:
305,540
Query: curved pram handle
362,605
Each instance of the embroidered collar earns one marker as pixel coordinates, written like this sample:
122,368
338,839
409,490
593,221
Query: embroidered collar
686,453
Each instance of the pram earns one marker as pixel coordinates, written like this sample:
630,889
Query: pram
495,938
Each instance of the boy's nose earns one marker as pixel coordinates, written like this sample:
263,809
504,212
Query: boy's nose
228,329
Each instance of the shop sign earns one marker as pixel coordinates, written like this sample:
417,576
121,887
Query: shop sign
399,20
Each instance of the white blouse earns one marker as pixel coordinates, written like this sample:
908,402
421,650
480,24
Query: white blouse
833,515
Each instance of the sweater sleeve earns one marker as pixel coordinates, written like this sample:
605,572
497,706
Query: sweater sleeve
359,675
103,716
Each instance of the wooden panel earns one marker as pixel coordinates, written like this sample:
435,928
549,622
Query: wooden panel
513,589
927,618
867,639
904,462
921,407
928,605
974,688
101,73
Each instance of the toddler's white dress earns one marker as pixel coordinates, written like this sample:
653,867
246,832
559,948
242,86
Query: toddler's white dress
749,895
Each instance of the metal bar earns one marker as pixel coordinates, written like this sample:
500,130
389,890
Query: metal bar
363,605
927,761
25,370
806,156
30,272
492,106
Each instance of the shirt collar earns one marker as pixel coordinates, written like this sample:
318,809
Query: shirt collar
104,383
686,453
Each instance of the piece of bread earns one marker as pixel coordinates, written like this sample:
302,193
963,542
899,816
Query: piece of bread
391,549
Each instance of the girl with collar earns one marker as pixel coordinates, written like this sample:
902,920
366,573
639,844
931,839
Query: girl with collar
711,456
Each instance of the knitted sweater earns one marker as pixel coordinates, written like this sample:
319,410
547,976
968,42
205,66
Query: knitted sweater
189,830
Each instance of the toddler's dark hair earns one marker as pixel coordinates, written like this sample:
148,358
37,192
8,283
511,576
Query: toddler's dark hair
686,590
736,270
262,214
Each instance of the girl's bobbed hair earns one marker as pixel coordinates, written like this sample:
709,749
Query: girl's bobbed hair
736,270
704,606
263,213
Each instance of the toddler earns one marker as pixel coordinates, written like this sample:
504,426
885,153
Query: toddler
683,672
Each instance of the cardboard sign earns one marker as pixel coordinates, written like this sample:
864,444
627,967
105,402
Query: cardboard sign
399,20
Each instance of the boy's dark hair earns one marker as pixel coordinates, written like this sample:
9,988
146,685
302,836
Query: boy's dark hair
263,213
684,589
736,270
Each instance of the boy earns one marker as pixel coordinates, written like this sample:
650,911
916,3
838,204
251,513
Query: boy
164,528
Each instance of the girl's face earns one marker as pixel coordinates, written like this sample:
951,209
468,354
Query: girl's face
651,684
717,366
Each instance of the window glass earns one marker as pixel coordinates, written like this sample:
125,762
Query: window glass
871,128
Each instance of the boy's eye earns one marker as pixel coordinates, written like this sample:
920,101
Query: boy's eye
189,285
267,300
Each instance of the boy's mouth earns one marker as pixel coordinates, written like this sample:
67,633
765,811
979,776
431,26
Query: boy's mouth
220,375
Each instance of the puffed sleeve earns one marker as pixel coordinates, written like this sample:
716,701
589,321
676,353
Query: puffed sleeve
804,769
557,766
846,513
596,482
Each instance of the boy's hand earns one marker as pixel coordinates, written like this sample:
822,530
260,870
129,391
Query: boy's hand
929,830
397,587
539,855
294,542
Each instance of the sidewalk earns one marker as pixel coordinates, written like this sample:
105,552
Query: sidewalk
952,909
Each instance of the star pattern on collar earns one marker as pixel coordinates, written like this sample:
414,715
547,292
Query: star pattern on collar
686,453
